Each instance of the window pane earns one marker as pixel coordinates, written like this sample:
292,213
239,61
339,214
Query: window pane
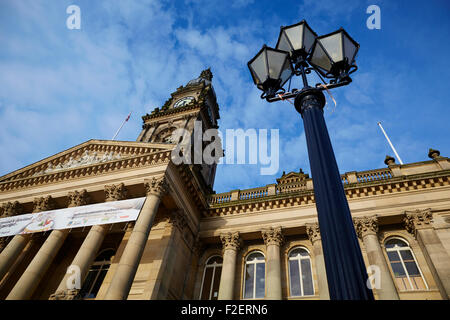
99,282
260,280
406,255
393,256
295,278
412,268
307,277
87,284
215,292
207,283
217,260
398,270
395,242
298,252
255,256
249,277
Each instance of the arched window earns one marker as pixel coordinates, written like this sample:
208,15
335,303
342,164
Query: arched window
404,265
300,273
96,274
211,279
255,276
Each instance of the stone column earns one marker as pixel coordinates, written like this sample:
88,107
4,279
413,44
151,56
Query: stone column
176,224
8,257
273,239
129,262
367,229
419,223
313,232
231,243
32,276
91,244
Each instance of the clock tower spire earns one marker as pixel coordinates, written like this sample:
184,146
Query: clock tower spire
196,101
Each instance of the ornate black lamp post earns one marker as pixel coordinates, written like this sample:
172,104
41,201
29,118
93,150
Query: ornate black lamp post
299,52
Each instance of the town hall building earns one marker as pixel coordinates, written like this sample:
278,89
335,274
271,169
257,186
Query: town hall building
189,242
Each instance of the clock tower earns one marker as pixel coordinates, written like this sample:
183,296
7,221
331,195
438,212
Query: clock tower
196,101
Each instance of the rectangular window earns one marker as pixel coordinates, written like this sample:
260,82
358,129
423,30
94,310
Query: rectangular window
307,277
249,278
295,278
260,280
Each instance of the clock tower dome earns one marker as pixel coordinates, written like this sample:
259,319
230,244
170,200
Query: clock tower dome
196,101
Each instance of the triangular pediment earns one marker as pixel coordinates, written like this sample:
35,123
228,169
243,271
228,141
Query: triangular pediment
292,177
85,155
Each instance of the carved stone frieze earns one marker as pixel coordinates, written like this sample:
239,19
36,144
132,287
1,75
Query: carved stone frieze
272,236
86,159
366,225
115,192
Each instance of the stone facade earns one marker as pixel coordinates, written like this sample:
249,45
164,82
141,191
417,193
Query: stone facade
188,239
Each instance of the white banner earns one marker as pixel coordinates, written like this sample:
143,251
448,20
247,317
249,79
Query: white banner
75,217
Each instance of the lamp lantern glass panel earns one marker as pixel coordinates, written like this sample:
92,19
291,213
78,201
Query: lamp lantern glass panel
334,53
270,69
296,39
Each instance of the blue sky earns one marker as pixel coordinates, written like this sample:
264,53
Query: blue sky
61,87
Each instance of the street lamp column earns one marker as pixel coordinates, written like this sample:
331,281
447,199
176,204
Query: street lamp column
346,272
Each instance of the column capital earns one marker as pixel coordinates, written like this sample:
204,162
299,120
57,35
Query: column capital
272,236
231,241
418,219
43,204
10,209
78,198
156,186
115,192
313,231
69,294
366,225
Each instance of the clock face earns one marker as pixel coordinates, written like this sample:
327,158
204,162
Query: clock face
183,102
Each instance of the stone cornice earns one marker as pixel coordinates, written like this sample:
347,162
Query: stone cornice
272,236
417,220
352,191
366,225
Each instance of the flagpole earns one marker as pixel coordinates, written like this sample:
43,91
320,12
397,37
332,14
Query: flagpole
117,132
390,143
